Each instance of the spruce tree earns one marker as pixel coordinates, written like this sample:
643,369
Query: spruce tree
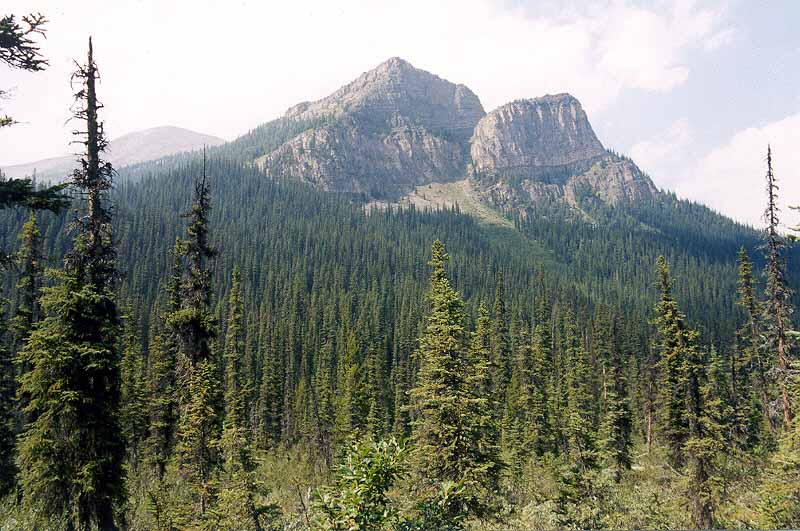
615,427
194,326
580,429
541,371
352,406
29,262
704,412
480,411
134,398
11,419
71,453
749,381
517,424
501,343
777,307
8,469
161,374
672,346
448,412
239,502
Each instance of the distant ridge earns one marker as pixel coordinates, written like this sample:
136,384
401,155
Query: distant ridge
139,146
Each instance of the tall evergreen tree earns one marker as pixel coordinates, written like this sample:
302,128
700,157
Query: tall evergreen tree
71,453
777,307
29,262
673,339
134,393
501,343
448,414
239,504
8,469
161,377
581,431
749,381
615,427
199,400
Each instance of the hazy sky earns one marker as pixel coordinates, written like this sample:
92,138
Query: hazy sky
693,91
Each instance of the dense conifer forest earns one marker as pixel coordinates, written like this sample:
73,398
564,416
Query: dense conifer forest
195,344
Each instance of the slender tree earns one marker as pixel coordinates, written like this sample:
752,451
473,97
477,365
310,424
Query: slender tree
777,307
448,413
749,381
616,425
673,343
161,375
71,453
8,469
501,343
239,504
194,326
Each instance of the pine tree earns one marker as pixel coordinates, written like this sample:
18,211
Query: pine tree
543,440
270,397
194,326
239,502
322,403
749,382
704,441
71,454
777,307
29,262
134,399
501,344
517,423
673,343
448,413
615,427
161,375
481,406
580,429
352,407
374,398
8,469
11,418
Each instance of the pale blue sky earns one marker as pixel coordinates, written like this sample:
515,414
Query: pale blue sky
691,90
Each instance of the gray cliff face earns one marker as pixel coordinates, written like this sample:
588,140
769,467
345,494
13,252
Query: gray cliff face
396,127
609,179
393,128
546,131
545,149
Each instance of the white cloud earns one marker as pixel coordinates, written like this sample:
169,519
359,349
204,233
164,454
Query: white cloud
663,156
730,178
222,68
720,39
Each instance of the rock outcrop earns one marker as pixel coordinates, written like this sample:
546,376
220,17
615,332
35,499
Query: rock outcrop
393,128
526,134
544,149
396,127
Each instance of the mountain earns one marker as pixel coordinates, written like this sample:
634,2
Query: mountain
401,135
392,128
139,146
545,149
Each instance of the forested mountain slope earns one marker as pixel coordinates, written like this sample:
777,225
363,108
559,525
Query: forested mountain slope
570,347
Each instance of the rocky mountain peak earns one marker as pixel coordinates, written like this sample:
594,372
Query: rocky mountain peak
395,87
390,129
551,130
